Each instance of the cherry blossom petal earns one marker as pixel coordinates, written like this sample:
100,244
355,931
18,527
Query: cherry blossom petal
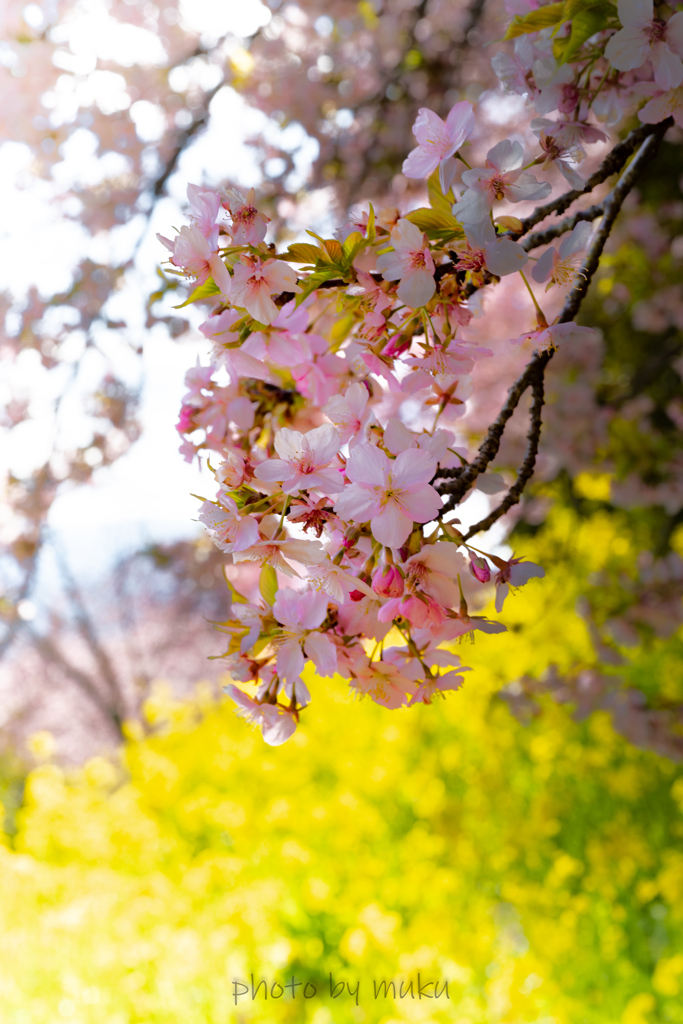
290,660
668,67
413,468
504,257
368,465
417,288
674,33
322,652
628,49
633,12
391,526
356,503
423,505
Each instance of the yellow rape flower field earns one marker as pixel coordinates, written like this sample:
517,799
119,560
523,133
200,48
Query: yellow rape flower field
535,869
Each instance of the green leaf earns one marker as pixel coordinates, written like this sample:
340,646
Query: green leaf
574,7
204,291
267,584
370,232
585,23
534,21
435,223
437,200
352,246
302,252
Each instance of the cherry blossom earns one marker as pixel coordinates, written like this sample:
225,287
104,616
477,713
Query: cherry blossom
513,573
669,104
302,613
390,494
254,282
204,208
278,552
501,178
230,530
560,266
248,225
302,462
643,38
549,338
483,250
410,263
277,723
438,141
383,682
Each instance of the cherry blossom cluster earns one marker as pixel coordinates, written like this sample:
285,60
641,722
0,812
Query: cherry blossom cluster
339,371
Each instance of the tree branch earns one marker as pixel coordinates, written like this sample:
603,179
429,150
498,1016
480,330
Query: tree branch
612,163
526,470
464,476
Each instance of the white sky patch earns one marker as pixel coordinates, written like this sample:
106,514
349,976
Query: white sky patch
216,18
92,34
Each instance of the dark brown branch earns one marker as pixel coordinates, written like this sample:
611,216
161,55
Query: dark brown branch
526,470
464,477
568,224
612,164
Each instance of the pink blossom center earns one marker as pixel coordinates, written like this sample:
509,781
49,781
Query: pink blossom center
418,260
499,186
657,31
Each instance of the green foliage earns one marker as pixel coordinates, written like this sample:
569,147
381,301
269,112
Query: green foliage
537,868
586,16
202,291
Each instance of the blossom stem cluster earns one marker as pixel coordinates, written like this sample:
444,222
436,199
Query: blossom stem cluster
340,369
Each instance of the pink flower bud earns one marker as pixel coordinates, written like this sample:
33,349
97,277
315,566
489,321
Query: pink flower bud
232,472
480,568
388,581
184,424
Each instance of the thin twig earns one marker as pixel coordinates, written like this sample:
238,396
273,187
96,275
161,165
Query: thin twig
612,164
464,477
526,470
543,237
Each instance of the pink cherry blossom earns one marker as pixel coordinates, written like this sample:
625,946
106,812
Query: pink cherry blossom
514,573
351,414
483,250
391,494
438,141
233,471
302,462
515,72
248,225
557,87
670,104
255,281
230,530
501,178
192,253
278,551
434,572
301,613
204,207
383,682
480,568
410,263
388,581
549,338
643,38
277,723
560,266
421,611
